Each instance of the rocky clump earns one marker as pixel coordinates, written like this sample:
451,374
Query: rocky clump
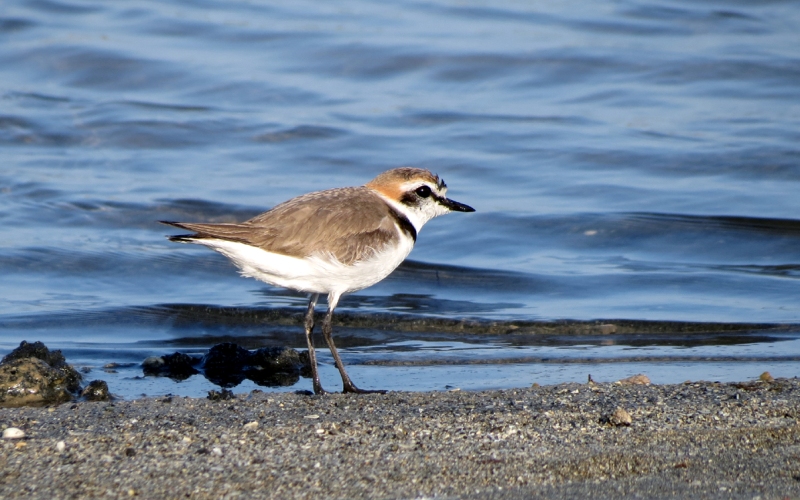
177,366
97,390
31,374
229,364
223,395
620,417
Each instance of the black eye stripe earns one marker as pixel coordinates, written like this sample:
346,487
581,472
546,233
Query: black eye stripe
412,198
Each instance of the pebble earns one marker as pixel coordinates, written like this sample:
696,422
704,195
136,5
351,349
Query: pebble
13,433
223,395
620,417
97,390
61,446
251,425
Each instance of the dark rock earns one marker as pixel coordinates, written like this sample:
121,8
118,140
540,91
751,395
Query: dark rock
224,363
181,366
305,361
228,364
177,366
35,350
154,365
276,359
274,366
97,390
71,378
222,395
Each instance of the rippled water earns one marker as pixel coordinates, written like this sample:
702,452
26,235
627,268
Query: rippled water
628,161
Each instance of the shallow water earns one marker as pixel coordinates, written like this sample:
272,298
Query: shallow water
627,161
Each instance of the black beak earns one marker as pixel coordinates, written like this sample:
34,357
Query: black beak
454,205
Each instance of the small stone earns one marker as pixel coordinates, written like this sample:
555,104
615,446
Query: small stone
216,451
222,364
766,377
61,446
274,366
153,365
177,366
97,390
251,425
620,417
638,379
13,433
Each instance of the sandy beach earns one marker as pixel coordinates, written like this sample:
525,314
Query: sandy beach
693,440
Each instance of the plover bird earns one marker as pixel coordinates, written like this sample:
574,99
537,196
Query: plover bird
334,242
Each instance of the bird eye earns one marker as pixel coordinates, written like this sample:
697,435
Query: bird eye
423,191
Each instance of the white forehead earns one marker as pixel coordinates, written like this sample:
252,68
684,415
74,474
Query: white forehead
415,183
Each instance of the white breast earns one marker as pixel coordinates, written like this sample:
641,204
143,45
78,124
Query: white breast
319,273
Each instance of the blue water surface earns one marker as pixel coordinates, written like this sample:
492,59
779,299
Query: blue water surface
628,160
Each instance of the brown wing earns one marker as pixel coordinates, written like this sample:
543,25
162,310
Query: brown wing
349,223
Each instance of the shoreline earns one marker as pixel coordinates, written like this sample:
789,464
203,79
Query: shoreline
715,440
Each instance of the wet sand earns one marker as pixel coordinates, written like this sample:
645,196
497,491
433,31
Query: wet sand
689,440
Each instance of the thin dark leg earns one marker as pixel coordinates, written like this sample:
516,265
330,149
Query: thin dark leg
312,355
327,330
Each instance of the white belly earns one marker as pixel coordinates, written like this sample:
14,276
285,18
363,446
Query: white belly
316,274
